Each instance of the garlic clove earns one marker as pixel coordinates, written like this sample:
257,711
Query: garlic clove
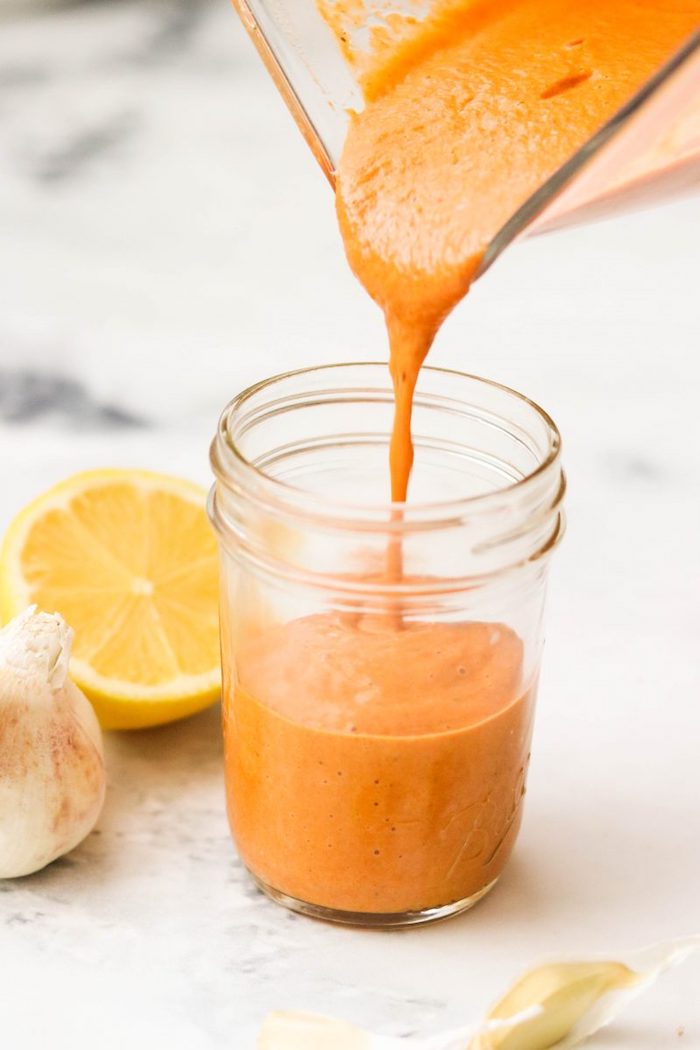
52,777
293,1030
555,1006
648,965
561,994
572,1001
290,1030
299,1031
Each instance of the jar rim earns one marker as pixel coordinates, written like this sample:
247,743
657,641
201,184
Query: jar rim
230,464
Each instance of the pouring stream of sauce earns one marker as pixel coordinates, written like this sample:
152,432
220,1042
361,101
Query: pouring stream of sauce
467,113
375,770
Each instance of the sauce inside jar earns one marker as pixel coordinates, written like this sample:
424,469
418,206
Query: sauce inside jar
376,764
378,771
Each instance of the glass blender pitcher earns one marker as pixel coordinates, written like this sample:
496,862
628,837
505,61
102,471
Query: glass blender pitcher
648,152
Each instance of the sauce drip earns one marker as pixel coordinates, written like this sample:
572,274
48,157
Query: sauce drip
371,769
467,114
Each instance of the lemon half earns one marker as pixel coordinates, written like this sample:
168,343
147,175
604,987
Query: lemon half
129,560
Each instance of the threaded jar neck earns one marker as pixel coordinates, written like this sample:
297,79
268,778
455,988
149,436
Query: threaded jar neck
301,467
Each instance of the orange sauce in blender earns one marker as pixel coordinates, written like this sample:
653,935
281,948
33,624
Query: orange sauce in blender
463,121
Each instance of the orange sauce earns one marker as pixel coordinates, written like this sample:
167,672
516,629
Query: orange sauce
376,765
375,770
466,116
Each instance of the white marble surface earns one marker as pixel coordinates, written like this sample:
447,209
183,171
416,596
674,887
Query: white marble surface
166,239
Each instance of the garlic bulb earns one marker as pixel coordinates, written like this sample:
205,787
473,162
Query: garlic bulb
52,778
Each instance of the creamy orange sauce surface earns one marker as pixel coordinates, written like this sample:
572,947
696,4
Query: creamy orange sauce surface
376,770
374,764
464,120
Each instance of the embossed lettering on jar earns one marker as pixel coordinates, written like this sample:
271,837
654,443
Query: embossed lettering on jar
377,729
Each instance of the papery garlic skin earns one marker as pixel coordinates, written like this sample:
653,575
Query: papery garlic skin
52,775
562,992
301,1031
579,996
285,1030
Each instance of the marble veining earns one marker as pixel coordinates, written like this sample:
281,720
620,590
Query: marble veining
67,158
27,394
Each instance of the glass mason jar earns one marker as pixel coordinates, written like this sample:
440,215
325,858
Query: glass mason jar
377,726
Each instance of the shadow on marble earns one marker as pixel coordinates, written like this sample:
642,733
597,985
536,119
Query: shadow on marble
165,793
613,868
190,745
620,860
